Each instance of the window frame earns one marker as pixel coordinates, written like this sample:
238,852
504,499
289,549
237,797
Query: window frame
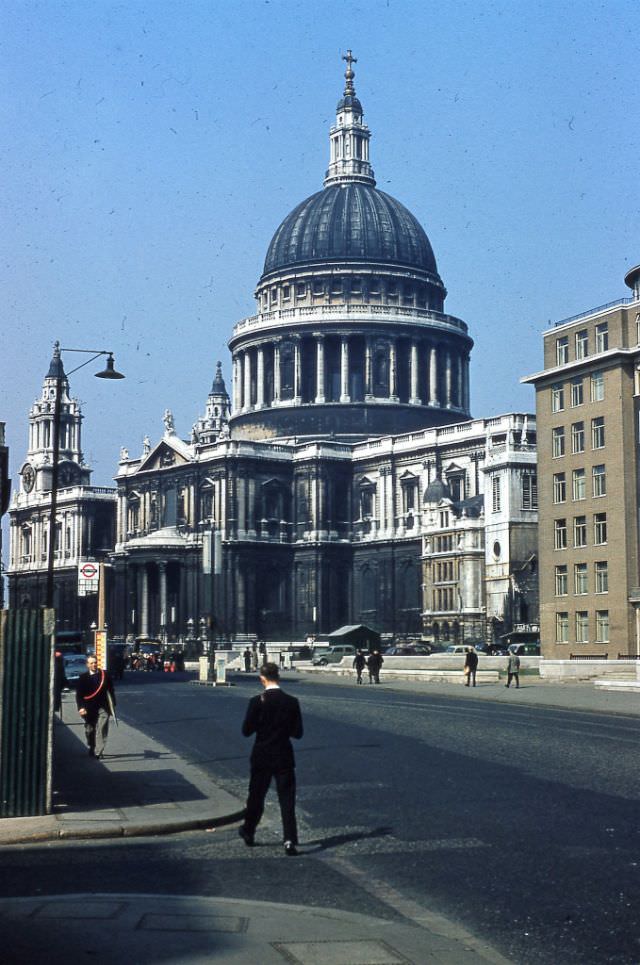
579,532
599,529
598,435
601,577
559,485
578,484
577,437
576,392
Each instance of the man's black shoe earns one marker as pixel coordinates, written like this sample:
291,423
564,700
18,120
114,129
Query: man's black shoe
246,837
290,849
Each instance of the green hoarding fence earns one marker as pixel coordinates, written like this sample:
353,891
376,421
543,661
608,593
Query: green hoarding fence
26,712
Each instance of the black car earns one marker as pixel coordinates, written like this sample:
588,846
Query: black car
409,650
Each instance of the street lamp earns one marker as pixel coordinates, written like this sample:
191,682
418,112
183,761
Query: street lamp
109,372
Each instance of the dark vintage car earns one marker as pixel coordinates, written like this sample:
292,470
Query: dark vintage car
409,650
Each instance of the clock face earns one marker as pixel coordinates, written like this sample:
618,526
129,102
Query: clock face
28,478
67,475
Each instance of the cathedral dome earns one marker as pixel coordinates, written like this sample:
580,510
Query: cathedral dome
346,222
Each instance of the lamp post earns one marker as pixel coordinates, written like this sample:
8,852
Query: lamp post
108,372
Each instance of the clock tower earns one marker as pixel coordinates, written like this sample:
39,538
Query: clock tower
36,471
85,515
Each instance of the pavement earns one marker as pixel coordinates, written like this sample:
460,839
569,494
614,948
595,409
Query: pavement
145,789
139,788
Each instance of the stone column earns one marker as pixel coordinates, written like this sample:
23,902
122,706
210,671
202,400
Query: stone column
414,398
368,368
143,601
433,376
242,506
448,378
251,510
297,373
162,569
344,370
260,379
276,374
320,396
459,374
393,370
246,402
237,384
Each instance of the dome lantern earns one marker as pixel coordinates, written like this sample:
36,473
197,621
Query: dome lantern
349,138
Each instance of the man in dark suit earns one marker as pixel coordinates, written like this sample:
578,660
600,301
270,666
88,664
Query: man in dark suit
96,701
274,717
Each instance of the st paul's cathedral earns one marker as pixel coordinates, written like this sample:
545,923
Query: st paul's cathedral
344,480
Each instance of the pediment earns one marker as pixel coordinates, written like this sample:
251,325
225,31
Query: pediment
167,454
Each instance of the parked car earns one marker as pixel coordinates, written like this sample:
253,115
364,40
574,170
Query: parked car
409,650
525,649
458,648
333,655
74,665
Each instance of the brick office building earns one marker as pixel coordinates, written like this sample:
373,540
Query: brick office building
588,408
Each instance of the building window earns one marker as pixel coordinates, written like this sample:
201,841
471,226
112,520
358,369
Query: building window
529,490
301,289
577,437
582,626
602,626
597,387
557,441
560,534
597,433
495,490
562,627
577,392
599,476
579,531
602,576
602,337
559,487
409,493
579,484
444,519
557,397
580,579
582,344
600,528
286,292
562,350
562,581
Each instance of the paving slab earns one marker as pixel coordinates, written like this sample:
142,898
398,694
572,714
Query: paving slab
116,928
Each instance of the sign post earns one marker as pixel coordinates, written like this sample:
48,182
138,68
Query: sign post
101,648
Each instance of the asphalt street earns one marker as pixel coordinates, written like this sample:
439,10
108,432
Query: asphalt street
517,822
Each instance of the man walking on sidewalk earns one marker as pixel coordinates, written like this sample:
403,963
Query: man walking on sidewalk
274,717
96,701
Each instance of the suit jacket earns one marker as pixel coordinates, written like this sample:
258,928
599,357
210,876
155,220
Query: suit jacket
471,660
91,693
274,717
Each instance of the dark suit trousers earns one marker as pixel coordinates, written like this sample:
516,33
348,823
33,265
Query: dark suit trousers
286,788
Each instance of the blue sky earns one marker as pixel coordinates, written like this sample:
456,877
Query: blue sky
150,150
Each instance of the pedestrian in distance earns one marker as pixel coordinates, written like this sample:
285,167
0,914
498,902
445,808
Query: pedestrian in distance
359,663
254,655
60,682
374,664
513,670
274,717
247,660
470,666
96,701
